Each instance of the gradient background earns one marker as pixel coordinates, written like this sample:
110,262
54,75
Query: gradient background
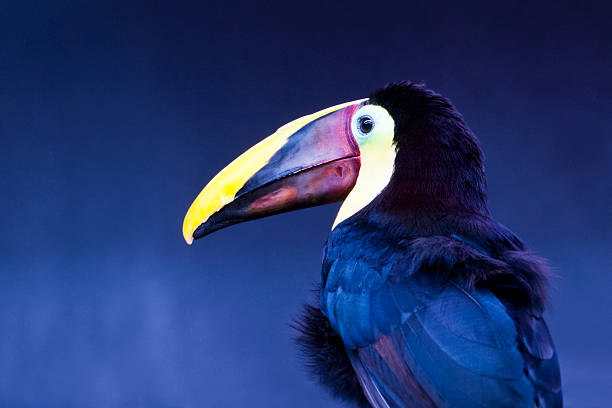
114,114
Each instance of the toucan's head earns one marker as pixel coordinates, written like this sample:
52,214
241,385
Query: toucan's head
404,149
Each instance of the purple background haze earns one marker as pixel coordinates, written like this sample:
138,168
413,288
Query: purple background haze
114,114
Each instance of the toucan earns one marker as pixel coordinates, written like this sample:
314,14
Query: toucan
425,300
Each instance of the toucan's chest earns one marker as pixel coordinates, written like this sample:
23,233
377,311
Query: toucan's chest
366,277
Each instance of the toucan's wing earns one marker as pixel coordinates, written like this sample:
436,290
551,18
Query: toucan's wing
454,349
462,350
541,362
417,344
466,358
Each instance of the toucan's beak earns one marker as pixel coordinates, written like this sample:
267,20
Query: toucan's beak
311,161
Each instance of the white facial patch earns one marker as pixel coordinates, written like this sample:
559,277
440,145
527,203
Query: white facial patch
373,129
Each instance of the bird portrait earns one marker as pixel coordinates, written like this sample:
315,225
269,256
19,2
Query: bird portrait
424,299
318,204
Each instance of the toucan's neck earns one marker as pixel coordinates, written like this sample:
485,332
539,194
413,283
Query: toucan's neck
416,194
422,195
433,184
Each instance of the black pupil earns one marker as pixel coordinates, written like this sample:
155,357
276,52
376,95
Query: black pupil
366,124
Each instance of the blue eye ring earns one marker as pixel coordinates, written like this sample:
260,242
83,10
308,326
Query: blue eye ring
365,124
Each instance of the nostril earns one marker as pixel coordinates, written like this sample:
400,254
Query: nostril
340,171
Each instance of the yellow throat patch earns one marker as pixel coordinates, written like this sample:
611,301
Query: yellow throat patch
377,151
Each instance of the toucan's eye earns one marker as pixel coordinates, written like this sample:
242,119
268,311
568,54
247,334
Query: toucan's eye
372,124
366,124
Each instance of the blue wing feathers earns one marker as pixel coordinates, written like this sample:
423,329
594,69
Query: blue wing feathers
437,339
536,337
470,337
460,386
475,336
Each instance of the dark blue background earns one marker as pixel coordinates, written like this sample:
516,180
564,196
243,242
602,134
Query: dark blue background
114,114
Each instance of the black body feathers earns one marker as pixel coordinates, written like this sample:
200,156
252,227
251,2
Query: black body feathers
325,358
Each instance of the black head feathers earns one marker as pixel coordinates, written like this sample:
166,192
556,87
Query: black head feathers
439,164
